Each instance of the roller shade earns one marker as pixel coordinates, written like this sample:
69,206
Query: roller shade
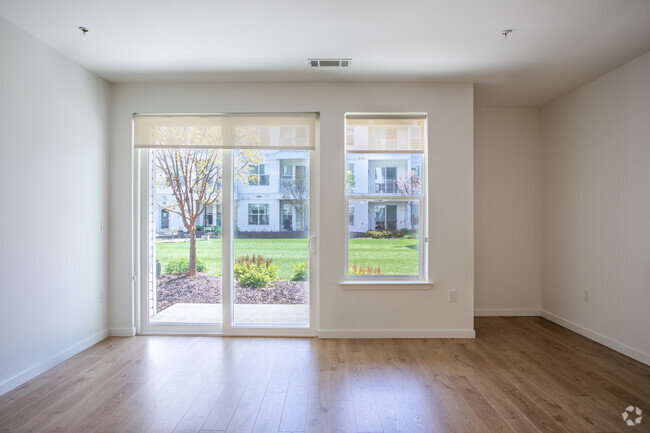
385,133
226,131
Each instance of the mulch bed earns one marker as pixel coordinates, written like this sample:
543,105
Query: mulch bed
206,289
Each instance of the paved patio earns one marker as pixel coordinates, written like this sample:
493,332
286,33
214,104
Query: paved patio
244,314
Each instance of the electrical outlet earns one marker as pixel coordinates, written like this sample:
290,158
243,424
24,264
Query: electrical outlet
452,296
586,295
102,296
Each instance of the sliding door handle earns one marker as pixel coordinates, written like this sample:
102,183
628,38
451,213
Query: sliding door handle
312,245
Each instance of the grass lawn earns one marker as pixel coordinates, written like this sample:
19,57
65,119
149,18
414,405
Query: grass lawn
395,256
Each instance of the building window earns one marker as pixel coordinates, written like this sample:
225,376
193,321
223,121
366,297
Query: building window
386,238
164,219
385,179
208,217
258,176
386,217
287,217
258,214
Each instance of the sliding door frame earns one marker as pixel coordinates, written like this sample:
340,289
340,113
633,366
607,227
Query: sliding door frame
141,257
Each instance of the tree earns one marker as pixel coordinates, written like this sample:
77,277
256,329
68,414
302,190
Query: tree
349,181
195,175
409,185
296,193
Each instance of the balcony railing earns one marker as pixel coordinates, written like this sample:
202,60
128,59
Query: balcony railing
387,186
298,186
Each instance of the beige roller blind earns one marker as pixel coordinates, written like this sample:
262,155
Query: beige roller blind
226,131
385,133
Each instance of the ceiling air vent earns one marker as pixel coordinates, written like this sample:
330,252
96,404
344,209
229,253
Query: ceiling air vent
336,63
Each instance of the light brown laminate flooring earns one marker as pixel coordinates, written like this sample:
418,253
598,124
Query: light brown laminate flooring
519,375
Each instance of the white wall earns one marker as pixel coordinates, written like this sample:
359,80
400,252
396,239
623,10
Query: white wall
53,172
507,200
342,312
596,209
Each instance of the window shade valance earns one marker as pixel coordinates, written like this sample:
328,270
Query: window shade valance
226,131
385,133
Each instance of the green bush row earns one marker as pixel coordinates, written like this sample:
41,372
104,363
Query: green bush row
392,234
254,272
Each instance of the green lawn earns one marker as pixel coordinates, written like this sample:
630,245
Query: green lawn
395,256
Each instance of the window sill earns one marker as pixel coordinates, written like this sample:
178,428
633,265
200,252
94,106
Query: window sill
386,285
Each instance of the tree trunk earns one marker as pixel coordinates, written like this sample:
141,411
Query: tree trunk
192,271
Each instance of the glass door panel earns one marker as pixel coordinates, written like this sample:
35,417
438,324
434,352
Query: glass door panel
185,191
270,239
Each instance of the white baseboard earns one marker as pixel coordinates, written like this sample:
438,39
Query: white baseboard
397,333
484,312
121,332
599,338
43,366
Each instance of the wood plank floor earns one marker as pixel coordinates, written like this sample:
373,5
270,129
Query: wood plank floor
518,375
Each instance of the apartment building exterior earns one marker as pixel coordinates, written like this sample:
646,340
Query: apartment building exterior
274,198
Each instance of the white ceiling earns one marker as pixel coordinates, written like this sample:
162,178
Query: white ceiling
555,46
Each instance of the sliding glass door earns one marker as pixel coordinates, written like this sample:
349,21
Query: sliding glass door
225,242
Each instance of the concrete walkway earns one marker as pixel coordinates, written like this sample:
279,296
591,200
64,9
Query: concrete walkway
244,314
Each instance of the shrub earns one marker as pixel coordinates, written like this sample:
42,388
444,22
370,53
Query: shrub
216,230
392,234
409,234
384,234
364,269
182,265
255,272
199,228
300,271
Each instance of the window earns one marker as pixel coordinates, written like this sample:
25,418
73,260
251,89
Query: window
385,179
287,172
386,217
387,197
164,219
258,214
208,217
258,176
301,171
287,217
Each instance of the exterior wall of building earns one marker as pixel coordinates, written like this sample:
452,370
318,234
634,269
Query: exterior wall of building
274,194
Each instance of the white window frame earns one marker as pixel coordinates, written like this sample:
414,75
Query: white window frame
255,170
259,206
423,242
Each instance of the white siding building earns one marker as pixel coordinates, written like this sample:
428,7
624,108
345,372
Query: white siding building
263,205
